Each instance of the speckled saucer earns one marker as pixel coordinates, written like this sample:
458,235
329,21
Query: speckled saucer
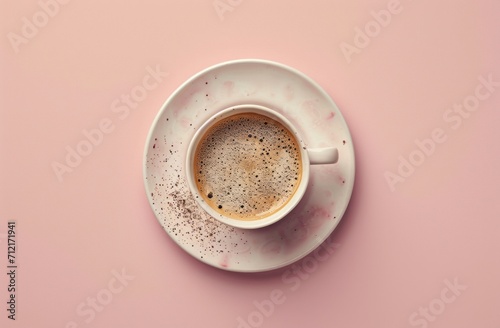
319,122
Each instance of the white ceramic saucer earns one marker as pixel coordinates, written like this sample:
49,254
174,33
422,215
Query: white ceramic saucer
319,122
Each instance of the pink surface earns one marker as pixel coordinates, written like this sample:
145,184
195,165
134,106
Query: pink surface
418,246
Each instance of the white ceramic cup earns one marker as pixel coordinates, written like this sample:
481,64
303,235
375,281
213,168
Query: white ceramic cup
308,156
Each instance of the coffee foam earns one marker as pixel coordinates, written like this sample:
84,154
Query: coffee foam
247,166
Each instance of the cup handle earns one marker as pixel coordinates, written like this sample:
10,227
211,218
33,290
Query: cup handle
329,155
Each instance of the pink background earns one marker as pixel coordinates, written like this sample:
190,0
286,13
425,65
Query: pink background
396,252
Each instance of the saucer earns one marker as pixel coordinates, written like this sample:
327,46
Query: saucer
319,122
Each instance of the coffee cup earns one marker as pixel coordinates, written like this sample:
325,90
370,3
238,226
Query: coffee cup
248,167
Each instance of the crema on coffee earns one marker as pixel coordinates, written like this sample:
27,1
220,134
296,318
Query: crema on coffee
247,166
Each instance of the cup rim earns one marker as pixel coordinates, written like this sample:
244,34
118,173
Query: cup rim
292,202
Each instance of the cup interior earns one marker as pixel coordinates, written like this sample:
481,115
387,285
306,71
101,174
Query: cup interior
292,201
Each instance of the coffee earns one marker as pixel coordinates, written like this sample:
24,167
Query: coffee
247,166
